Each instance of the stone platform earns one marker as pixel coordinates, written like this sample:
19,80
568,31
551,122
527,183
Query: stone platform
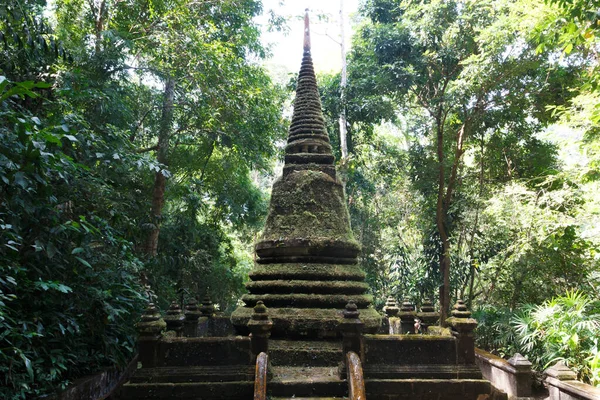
308,308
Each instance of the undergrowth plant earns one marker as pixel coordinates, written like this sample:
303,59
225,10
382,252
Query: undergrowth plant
564,328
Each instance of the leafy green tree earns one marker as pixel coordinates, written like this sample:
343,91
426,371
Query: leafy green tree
467,72
79,122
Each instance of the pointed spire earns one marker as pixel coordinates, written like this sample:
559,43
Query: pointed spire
306,32
308,142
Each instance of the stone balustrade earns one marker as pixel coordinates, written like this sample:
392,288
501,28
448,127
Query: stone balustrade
562,384
512,376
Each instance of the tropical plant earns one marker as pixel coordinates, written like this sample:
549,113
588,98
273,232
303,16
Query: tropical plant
564,328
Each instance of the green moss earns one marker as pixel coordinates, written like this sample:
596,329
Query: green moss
308,205
307,271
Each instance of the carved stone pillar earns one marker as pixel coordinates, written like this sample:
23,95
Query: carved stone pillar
192,313
208,308
391,311
522,375
428,315
407,317
351,328
260,326
461,326
150,330
174,318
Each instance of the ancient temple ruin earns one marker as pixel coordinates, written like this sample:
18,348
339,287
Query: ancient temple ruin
307,328
307,266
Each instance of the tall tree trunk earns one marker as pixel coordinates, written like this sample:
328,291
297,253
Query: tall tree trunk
441,226
99,10
343,84
475,224
158,193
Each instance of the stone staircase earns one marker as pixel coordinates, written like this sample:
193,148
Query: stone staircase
305,369
195,369
194,383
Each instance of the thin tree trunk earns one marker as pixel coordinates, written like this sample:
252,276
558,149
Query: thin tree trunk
441,225
343,84
158,193
100,13
475,224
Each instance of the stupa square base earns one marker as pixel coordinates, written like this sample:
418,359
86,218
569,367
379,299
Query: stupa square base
315,323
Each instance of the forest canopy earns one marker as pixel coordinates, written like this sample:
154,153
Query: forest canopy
139,140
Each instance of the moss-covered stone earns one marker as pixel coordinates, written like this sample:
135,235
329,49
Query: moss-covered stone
306,286
309,271
303,300
308,216
290,322
306,269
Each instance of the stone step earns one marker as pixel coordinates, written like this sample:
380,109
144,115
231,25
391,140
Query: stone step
308,398
194,374
421,389
298,382
187,391
432,371
305,353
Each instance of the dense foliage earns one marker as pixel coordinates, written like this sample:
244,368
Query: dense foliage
565,328
514,205
136,138
477,121
99,101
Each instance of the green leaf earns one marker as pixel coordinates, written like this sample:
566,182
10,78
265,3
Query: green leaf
28,366
21,180
63,288
568,48
81,260
51,249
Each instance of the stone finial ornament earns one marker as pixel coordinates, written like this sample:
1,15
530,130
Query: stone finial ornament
174,318
260,326
520,362
151,323
460,310
391,308
208,308
407,305
306,31
427,306
192,312
428,315
351,310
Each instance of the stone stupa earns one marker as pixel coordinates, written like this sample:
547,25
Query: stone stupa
307,267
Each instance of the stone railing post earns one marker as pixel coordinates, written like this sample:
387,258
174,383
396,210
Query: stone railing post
175,318
555,375
522,375
260,326
192,314
351,327
150,330
407,317
391,310
461,326
428,315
